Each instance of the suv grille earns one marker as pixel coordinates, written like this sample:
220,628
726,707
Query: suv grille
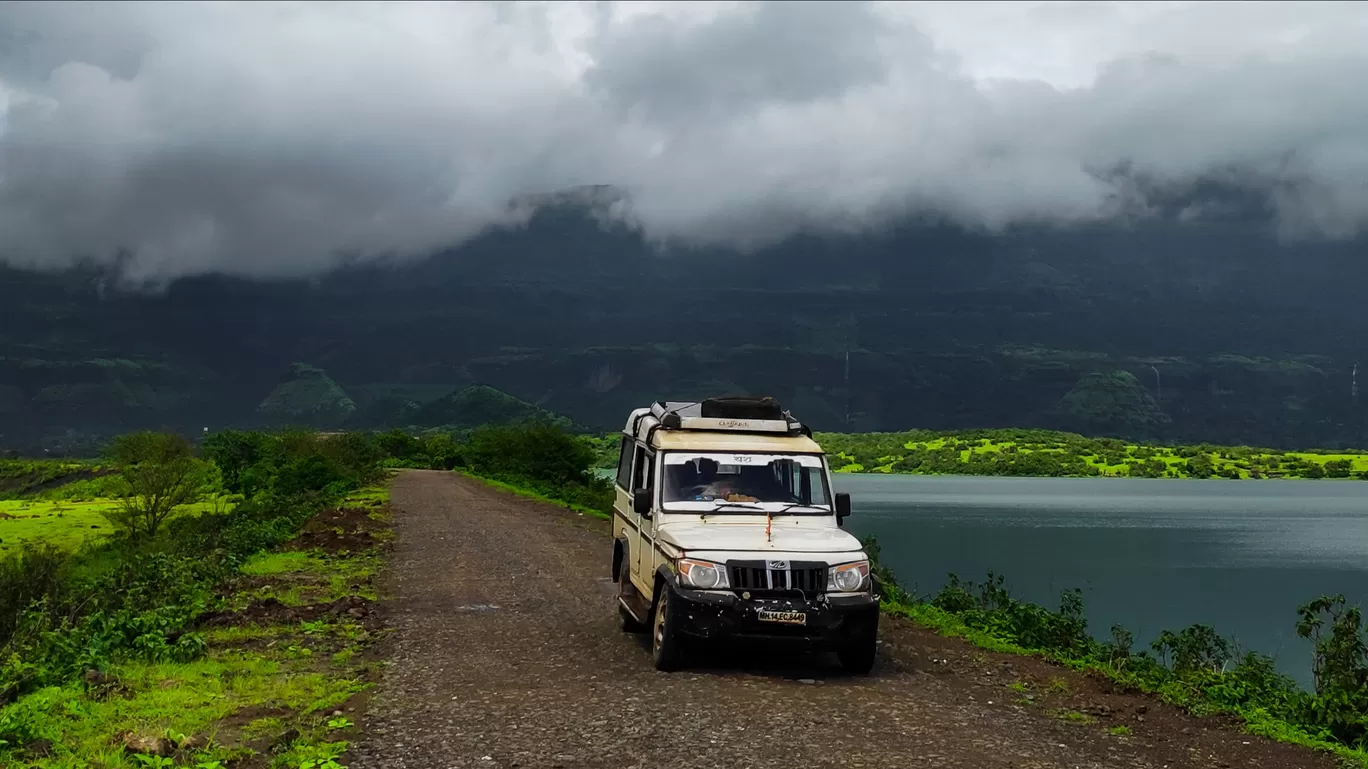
764,577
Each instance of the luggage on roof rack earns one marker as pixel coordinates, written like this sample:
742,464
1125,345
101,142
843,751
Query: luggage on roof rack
741,407
736,414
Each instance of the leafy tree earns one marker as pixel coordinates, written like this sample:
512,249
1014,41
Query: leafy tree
1338,468
161,476
236,452
542,452
399,444
443,451
1200,466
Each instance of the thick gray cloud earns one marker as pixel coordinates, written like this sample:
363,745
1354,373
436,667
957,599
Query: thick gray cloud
274,139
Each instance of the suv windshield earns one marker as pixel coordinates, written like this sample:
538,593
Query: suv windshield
741,483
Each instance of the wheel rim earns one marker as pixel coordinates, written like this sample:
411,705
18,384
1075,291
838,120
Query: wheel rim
661,608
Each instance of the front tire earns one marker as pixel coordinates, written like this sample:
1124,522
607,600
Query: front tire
857,657
665,646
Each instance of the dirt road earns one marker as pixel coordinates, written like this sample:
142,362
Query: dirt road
506,653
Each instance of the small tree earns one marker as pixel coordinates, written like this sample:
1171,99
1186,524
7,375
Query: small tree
162,476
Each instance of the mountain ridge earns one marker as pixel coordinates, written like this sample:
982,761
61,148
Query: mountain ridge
1253,340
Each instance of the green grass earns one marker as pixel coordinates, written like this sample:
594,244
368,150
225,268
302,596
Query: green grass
189,699
253,685
1046,453
65,524
373,496
267,564
301,579
530,493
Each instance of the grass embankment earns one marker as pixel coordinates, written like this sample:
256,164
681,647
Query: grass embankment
1194,668
26,477
1055,454
232,635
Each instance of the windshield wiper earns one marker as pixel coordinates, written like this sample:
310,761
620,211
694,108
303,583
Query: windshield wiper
789,507
719,504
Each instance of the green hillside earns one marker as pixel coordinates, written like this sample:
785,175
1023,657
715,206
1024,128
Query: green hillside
309,396
479,405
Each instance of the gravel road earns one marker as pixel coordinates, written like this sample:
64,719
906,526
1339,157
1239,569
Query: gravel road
506,653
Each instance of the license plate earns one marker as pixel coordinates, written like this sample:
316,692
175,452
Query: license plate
783,617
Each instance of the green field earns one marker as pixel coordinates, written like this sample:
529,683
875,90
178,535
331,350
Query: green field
1046,453
65,524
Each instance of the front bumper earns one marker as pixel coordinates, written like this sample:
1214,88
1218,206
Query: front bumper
829,621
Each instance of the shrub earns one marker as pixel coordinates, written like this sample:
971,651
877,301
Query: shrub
33,574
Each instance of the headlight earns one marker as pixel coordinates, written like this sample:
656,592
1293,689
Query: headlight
704,575
848,577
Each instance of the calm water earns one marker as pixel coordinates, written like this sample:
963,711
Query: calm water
1148,554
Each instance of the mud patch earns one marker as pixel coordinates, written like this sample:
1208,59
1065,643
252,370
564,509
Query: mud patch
272,612
347,529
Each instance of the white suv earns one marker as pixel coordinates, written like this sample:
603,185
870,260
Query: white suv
725,527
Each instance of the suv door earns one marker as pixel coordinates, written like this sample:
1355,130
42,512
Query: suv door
624,520
643,478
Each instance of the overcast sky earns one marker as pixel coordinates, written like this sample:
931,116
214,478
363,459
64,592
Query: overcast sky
268,139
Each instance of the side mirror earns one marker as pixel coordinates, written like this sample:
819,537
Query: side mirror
641,502
842,507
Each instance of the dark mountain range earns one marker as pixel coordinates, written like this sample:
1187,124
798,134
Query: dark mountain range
1203,330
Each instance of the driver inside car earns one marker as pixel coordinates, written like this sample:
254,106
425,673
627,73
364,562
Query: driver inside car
733,488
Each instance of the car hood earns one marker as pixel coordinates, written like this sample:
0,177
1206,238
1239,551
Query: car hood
785,536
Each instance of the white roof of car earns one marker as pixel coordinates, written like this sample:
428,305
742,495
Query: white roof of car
705,440
682,426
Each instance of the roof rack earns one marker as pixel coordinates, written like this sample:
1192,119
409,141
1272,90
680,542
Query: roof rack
733,414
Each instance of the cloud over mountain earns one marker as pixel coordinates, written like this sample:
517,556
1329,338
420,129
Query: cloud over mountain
272,139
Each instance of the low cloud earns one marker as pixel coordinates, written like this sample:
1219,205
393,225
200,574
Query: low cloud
275,139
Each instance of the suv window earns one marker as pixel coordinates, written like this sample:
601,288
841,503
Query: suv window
624,468
645,466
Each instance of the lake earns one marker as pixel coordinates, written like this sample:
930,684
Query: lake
1148,554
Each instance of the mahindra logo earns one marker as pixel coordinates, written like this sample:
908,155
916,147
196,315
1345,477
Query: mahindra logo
777,564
